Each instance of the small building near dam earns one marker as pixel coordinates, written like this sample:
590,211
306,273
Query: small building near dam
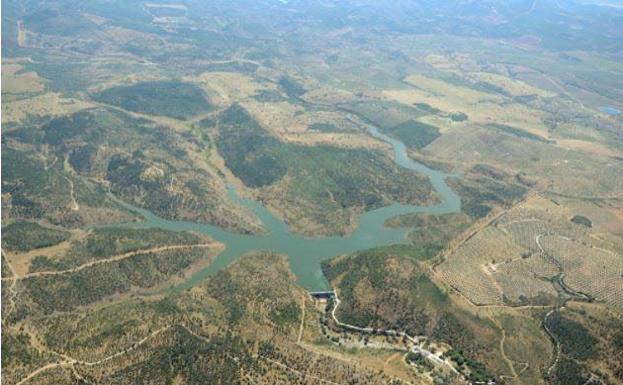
322,295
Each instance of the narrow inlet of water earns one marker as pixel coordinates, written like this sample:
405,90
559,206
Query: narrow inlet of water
306,254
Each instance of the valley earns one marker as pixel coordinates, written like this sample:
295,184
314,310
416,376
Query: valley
321,192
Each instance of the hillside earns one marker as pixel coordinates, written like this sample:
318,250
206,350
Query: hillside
327,192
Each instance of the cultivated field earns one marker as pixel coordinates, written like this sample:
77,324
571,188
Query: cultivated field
515,259
587,268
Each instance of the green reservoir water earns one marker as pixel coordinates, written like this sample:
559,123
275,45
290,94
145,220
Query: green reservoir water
305,254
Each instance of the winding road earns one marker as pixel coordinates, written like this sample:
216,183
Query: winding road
572,293
115,258
72,362
416,341
556,342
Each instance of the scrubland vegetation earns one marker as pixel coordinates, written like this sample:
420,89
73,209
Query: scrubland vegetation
166,98
586,339
164,105
373,285
484,188
25,236
202,335
63,292
139,160
325,183
430,234
415,134
109,242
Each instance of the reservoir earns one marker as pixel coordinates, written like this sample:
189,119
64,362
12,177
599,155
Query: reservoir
306,254
609,110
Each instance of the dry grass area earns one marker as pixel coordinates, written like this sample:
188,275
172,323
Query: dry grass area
292,123
327,95
21,34
440,62
589,147
551,100
443,123
448,92
228,87
607,217
511,86
284,118
525,343
126,35
513,259
20,261
279,117
343,140
113,37
485,108
50,104
379,355
568,172
18,83
481,107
